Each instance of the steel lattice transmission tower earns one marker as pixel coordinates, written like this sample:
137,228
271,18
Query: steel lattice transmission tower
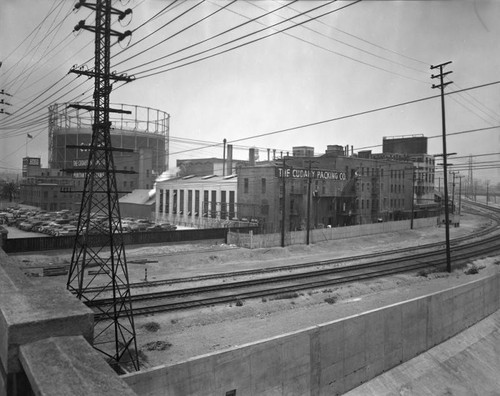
99,240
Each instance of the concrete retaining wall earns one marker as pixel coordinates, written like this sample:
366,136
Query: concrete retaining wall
331,358
45,335
325,234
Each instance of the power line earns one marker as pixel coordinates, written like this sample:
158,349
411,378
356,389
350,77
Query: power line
351,46
162,27
208,39
35,29
240,38
352,115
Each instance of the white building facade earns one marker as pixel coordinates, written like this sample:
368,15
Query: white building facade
197,201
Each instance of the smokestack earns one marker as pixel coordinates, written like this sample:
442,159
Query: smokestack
229,162
251,157
224,159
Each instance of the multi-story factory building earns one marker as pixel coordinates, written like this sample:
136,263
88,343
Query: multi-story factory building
335,189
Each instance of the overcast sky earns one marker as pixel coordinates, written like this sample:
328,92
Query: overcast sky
364,56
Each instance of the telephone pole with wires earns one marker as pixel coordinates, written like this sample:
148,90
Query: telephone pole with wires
99,240
442,86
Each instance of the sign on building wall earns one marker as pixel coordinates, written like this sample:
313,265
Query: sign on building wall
297,173
31,161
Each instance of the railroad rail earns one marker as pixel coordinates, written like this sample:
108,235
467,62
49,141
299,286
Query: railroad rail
338,272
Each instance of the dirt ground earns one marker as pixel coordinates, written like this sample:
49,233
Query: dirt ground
174,337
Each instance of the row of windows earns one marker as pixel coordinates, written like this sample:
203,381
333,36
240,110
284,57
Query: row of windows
209,203
263,185
395,188
394,203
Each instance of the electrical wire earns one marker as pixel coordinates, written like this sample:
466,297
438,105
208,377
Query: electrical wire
35,29
210,38
238,39
351,46
179,32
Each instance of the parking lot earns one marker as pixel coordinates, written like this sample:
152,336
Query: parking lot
31,222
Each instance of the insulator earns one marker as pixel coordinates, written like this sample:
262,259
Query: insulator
80,25
124,14
124,35
79,4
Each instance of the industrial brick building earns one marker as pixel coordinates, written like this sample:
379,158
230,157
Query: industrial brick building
335,189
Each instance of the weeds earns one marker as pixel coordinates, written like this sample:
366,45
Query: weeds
152,326
331,300
285,296
471,270
157,345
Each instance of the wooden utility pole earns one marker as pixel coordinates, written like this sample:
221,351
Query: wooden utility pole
441,86
283,205
308,201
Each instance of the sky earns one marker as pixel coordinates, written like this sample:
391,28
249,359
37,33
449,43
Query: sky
338,78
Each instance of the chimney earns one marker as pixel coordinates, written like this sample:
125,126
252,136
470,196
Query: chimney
229,161
268,155
251,156
224,159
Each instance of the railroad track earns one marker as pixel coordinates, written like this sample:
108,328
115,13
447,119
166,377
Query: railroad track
484,243
308,265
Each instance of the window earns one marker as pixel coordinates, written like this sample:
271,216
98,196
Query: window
181,202
263,182
190,203
264,207
147,172
196,202
205,204
245,185
161,201
213,213
223,205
